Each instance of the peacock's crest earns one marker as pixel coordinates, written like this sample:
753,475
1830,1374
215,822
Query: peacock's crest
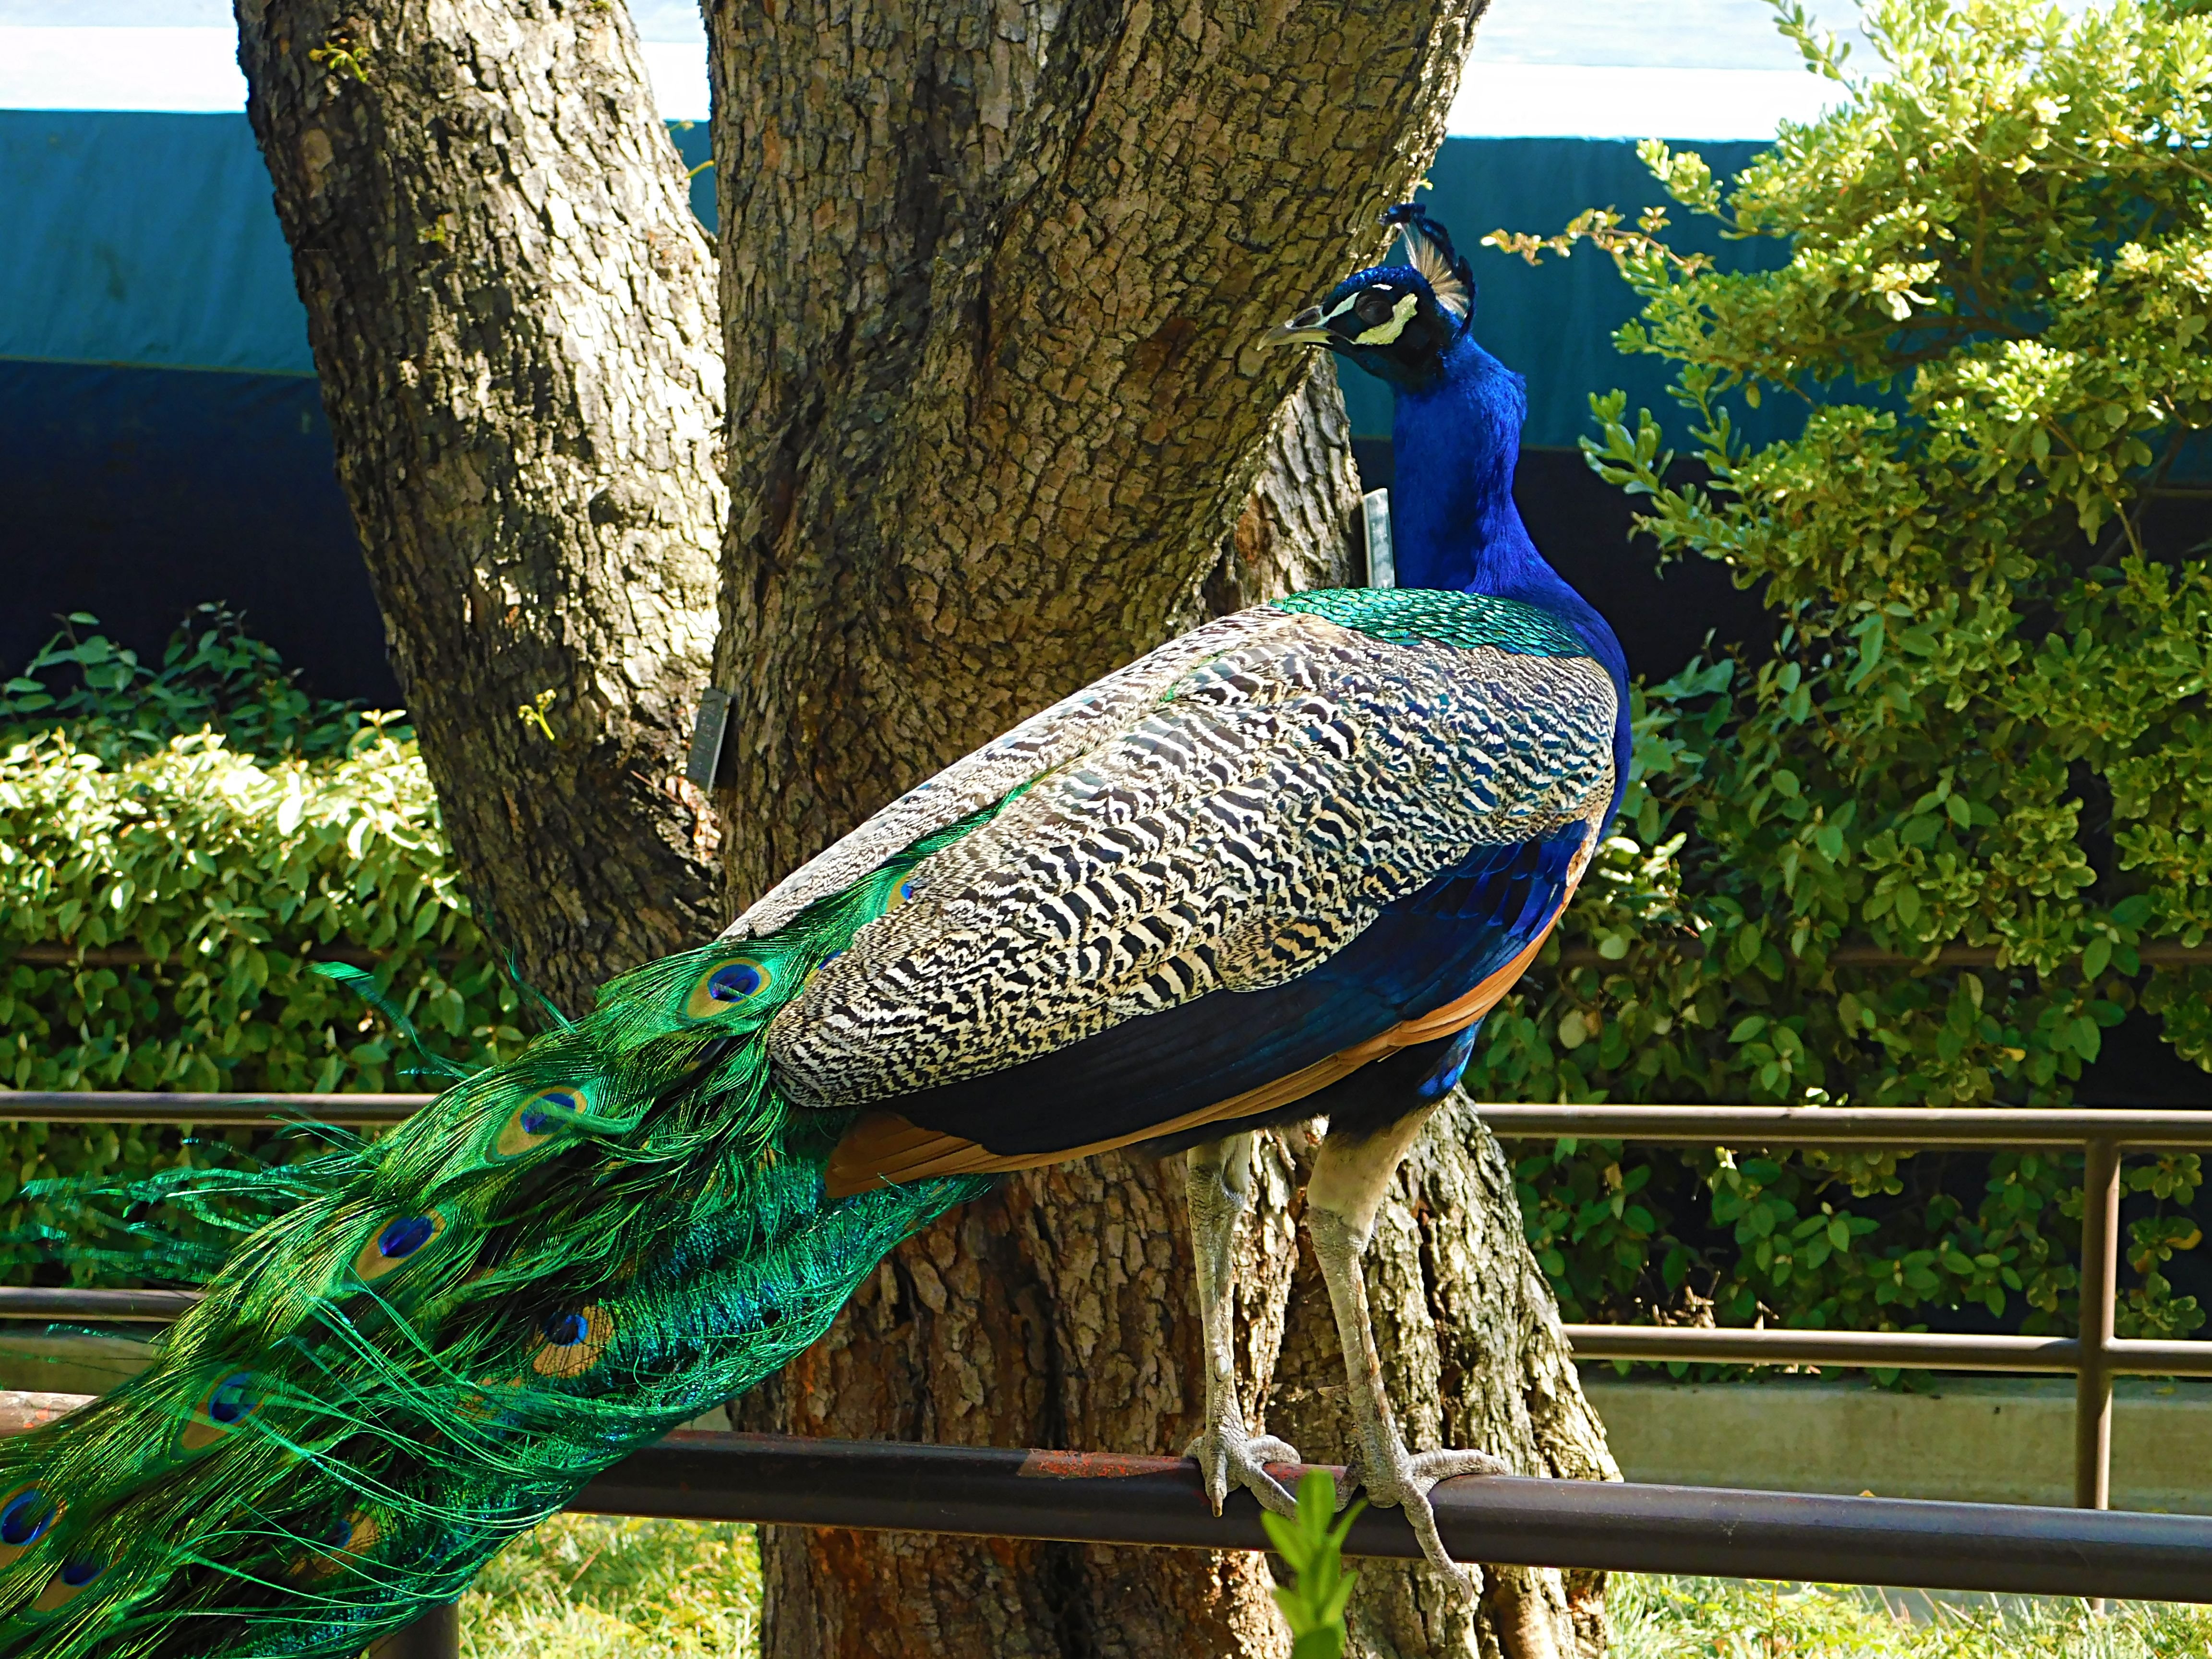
1430,252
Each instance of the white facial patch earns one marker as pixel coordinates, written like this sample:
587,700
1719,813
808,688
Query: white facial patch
1388,330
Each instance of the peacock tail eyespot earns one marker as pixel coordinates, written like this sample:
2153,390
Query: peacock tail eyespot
566,1330
570,1342
404,1236
27,1515
71,1579
338,1544
488,1398
729,986
397,1241
538,1120
221,1410
825,962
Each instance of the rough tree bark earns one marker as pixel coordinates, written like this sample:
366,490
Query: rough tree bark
511,310
1061,1312
992,273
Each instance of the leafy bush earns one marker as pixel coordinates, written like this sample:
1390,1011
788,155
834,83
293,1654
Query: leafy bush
1984,725
185,840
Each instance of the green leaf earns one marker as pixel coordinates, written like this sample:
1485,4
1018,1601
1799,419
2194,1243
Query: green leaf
2134,911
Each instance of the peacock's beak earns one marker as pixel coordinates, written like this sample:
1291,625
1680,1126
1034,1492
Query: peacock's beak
1305,329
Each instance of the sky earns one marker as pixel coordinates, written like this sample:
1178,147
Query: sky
1687,68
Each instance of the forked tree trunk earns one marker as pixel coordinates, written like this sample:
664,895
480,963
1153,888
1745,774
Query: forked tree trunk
992,279
512,312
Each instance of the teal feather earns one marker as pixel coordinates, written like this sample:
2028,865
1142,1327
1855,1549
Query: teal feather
363,984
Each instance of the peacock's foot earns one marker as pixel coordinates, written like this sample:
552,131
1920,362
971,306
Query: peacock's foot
1229,1458
1394,1478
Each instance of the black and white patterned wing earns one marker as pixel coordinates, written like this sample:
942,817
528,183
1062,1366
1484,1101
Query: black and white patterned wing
1239,822
1050,738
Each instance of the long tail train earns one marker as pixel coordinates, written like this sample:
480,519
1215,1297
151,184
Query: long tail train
558,1261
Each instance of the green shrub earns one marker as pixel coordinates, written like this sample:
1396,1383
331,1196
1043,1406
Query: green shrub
1984,724
188,839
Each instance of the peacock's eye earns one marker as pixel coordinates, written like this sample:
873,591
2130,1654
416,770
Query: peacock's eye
728,987
397,1243
231,1399
26,1516
221,1409
571,1341
735,982
80,1570
404,1236
1373,307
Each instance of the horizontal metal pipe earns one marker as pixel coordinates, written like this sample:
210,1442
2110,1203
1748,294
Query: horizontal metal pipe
1902,1127
1095,1498
1873,956
103,1307
211,1111
1088,1498
1905,1127
137,956
1650,1343
1913,1349
1917,1350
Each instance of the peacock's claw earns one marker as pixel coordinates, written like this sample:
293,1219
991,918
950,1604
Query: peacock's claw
1406,1484
1228,1458
1450,1462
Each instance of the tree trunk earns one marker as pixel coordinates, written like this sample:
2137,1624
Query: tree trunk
511,308
1062,1311
993,279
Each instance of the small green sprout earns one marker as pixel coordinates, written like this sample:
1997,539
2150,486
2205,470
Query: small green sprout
1314,1549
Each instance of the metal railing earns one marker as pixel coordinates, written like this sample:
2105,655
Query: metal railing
770,1479
2094,1358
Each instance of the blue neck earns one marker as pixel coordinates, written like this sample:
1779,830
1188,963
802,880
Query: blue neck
1453,521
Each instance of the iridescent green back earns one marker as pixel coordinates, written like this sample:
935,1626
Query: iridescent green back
1414,616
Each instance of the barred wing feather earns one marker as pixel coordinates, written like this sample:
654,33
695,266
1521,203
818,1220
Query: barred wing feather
1211,832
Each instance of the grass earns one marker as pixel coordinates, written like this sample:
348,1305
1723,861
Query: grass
594,1587
1734,1618
600,1587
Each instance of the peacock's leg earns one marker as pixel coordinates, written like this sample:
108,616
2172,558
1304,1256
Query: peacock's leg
1349,1180
1218,1177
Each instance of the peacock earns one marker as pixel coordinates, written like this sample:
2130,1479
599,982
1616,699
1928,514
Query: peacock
1279,868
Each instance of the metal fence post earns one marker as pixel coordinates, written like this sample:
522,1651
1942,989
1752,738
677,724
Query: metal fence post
2100,1268
436,1635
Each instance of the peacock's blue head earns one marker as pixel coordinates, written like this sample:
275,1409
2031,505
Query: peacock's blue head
1395,321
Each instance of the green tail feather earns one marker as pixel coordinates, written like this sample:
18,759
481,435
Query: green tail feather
362,984
447,1331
